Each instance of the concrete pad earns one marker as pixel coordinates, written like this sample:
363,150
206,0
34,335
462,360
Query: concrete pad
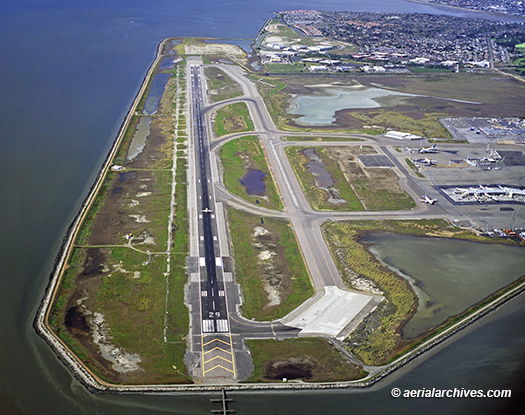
332,312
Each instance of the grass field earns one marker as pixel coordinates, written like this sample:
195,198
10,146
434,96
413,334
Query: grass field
237,157
521,47
411,164
315,137
429,126
220,85
308,359
319,198
278,68
268,266
234,118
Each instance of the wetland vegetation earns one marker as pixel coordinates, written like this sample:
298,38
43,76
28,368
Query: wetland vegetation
436,95
268,266
237,157
112,308
354,186
233,118
379,337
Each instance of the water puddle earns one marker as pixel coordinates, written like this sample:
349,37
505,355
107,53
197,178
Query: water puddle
168,63
155,93
127,175
448,275
139,138
253,182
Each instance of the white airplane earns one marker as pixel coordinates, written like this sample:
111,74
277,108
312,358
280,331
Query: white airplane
207,210
426,199
423,150
426,161
432,149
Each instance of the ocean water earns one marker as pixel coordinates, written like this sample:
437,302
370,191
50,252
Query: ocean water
69,72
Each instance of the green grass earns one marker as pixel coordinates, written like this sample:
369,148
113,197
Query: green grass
322,359
234,118
521,47
276,101
317,197
134,309
133,298
418,69
220,85
283,68
247,266
426,127
414,168
239,155
315,137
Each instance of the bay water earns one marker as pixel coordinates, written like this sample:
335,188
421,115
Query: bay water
68,75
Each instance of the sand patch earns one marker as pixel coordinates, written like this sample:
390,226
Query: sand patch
122,361
214,49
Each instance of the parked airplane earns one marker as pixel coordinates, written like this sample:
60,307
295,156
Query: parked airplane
426,199
423,150
428,149
426,161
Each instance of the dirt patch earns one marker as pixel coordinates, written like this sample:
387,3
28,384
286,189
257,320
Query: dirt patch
291,369
271,266
214,49
376,188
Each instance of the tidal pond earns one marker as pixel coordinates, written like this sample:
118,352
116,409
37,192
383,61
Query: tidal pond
139,138
155,93
168,63
448,275
321,109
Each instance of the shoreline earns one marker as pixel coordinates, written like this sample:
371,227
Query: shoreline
466,9
96,385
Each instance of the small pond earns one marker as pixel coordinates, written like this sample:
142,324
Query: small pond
168,63
253,181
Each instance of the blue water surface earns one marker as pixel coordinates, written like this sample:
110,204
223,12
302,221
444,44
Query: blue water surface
69,73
